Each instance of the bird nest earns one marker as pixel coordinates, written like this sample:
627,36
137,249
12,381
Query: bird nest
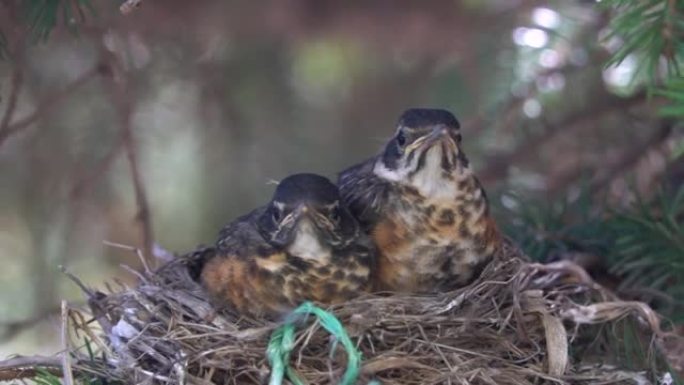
519,323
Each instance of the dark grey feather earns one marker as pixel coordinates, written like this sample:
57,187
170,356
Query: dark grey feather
363,192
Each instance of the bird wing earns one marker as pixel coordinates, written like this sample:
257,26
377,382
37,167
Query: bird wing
242,272
241,237
197,259
364,193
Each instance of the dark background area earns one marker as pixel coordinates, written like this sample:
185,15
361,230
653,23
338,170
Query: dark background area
213,101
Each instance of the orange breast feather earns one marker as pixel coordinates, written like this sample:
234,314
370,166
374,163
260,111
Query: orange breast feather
392,240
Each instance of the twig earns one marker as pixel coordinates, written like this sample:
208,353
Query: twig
66,351
626,160
508,111
668,31
19,362
120,89
17,50
129,6
135,250
77,281
143,215
15,86
85,183
631,157
80,323
576,271
497,166
47,104
26,366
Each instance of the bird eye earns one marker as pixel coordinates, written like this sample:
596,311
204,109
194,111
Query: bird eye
276,214
401,139
335,216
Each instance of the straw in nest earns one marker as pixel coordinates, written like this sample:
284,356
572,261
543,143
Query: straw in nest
515,325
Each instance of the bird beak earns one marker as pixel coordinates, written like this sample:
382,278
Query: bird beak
437,134
315,218
300,212
293,217
289,224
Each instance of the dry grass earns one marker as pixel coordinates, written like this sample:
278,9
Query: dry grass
515,325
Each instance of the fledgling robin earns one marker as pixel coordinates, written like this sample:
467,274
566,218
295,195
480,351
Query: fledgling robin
303,245
423,207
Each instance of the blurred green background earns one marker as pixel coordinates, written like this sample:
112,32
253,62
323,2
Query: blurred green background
225,97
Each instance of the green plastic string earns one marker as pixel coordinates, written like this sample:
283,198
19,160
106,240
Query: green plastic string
282,342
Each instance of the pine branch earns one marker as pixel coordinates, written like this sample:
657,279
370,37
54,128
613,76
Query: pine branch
650,29
42,16
673,91
650,244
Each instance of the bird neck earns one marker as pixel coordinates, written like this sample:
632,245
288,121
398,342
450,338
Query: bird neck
307,244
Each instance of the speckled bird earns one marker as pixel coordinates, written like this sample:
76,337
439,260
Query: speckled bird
303,245
423,206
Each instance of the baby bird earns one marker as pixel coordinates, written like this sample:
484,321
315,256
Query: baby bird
423,207
303,245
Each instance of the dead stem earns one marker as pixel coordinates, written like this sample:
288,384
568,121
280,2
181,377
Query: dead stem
68,375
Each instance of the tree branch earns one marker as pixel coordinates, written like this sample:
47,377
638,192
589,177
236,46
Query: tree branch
129,6
497,166
47,104
15,87
143,215
669,30
85,182
631,157
120,90
27,366
509,109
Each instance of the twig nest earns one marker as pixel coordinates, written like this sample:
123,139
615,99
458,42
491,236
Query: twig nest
517,324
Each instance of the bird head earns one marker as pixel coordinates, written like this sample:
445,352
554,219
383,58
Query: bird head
426,147
306,213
